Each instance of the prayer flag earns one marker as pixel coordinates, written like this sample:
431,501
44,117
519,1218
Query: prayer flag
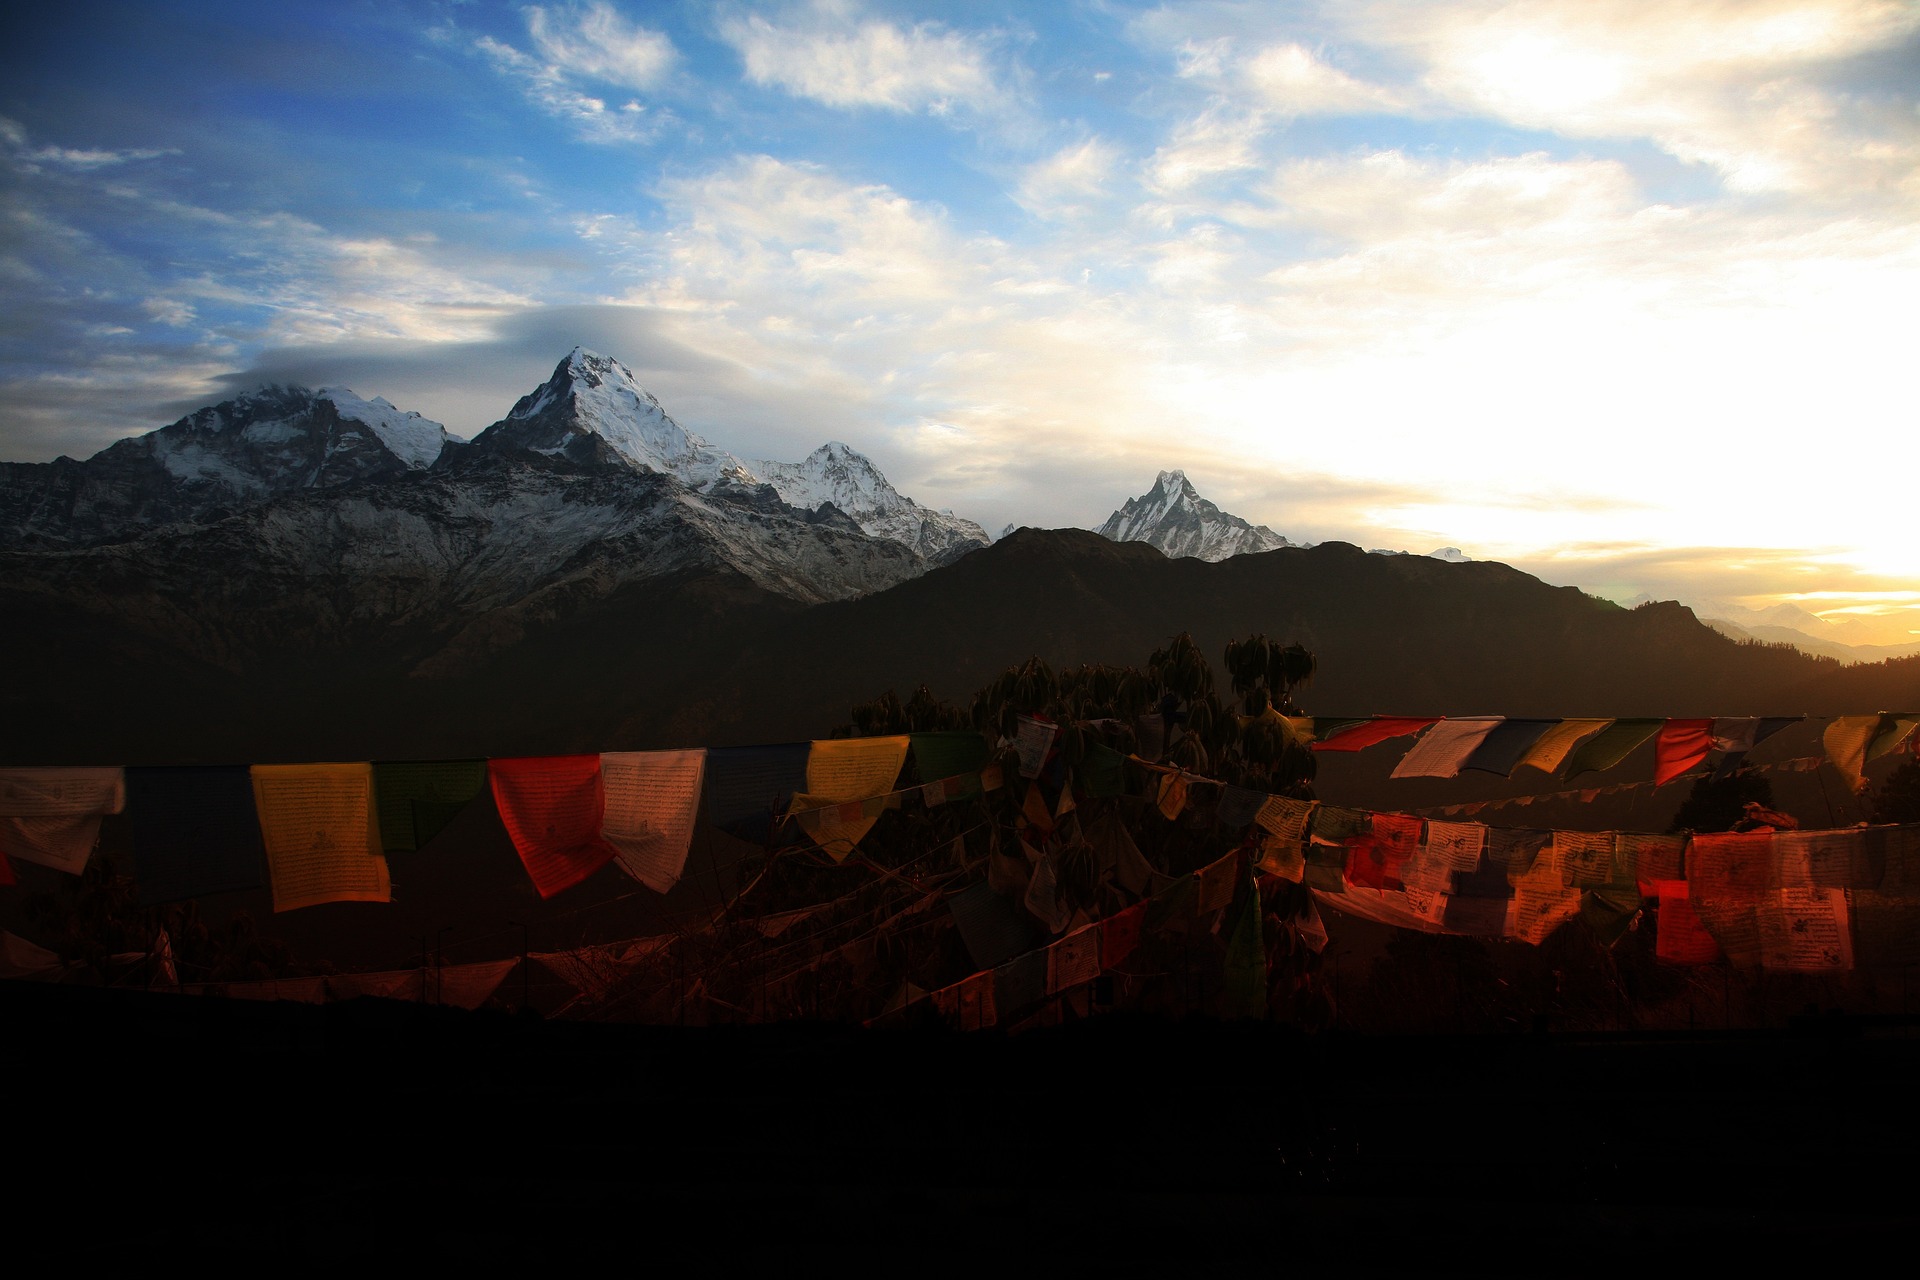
1456,845
1033,740
1640,856
553,807
1034,808
1682,745
194,832
1679,937
749,788
1846,741
51,815
1074,959
1895,730
1806,931
1585,858
1214,884
1550,751
1120,935
1173,795
1356,737
958,754
967,1005
1245,979
1443,749
840,770
418,798
1286,818
1150,736
1103,771
992,928
1281,857
321,833
1020,982
1377,857
1238,807
652,803
1507,745
1542,901
1609,747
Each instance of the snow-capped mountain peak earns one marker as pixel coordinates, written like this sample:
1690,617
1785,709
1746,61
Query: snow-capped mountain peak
415,440
1175,518
594,410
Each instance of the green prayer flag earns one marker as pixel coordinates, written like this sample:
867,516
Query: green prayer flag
1609,909
1610,746
1103,771
417,798
1245,994
949,754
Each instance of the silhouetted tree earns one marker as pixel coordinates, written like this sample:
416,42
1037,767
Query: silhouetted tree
1898,799
1718,804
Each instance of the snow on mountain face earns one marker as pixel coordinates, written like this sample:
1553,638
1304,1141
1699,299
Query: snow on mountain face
848,479
593,410
1175,518
255,447
415,440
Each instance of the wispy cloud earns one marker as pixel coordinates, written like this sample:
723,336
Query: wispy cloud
832,56
579,48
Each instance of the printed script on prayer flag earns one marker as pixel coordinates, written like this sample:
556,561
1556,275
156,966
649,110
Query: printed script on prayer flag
52,815
840,770
652,802
552,808
320,830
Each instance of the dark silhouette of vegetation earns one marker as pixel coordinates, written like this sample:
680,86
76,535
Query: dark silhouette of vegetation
1898,799
1720,804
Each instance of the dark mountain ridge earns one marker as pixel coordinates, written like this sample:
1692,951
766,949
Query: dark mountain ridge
704,655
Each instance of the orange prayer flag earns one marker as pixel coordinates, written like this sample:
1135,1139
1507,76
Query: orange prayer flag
553,807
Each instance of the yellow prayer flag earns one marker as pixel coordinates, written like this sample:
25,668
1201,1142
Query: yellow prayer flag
1846,742
841,770
1173,795
1552,748
322,834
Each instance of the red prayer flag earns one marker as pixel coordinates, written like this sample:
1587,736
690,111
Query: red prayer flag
1679,937
1378,729
1120,934
1682,745
1376,857
552,807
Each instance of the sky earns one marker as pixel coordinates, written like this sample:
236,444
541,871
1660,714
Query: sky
1622,294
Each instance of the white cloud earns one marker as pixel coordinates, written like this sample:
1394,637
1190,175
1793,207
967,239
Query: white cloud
845,63
595,43
1218,141
588,46
1738,87
1291,80
1071,181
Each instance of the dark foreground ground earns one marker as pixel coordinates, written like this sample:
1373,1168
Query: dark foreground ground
233,1137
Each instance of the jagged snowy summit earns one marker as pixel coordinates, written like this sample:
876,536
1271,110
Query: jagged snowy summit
594,410
1175,518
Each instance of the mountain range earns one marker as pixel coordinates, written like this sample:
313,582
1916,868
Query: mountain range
300,574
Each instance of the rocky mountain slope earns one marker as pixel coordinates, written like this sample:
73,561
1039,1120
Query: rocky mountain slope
593,410
1174,518
213,462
